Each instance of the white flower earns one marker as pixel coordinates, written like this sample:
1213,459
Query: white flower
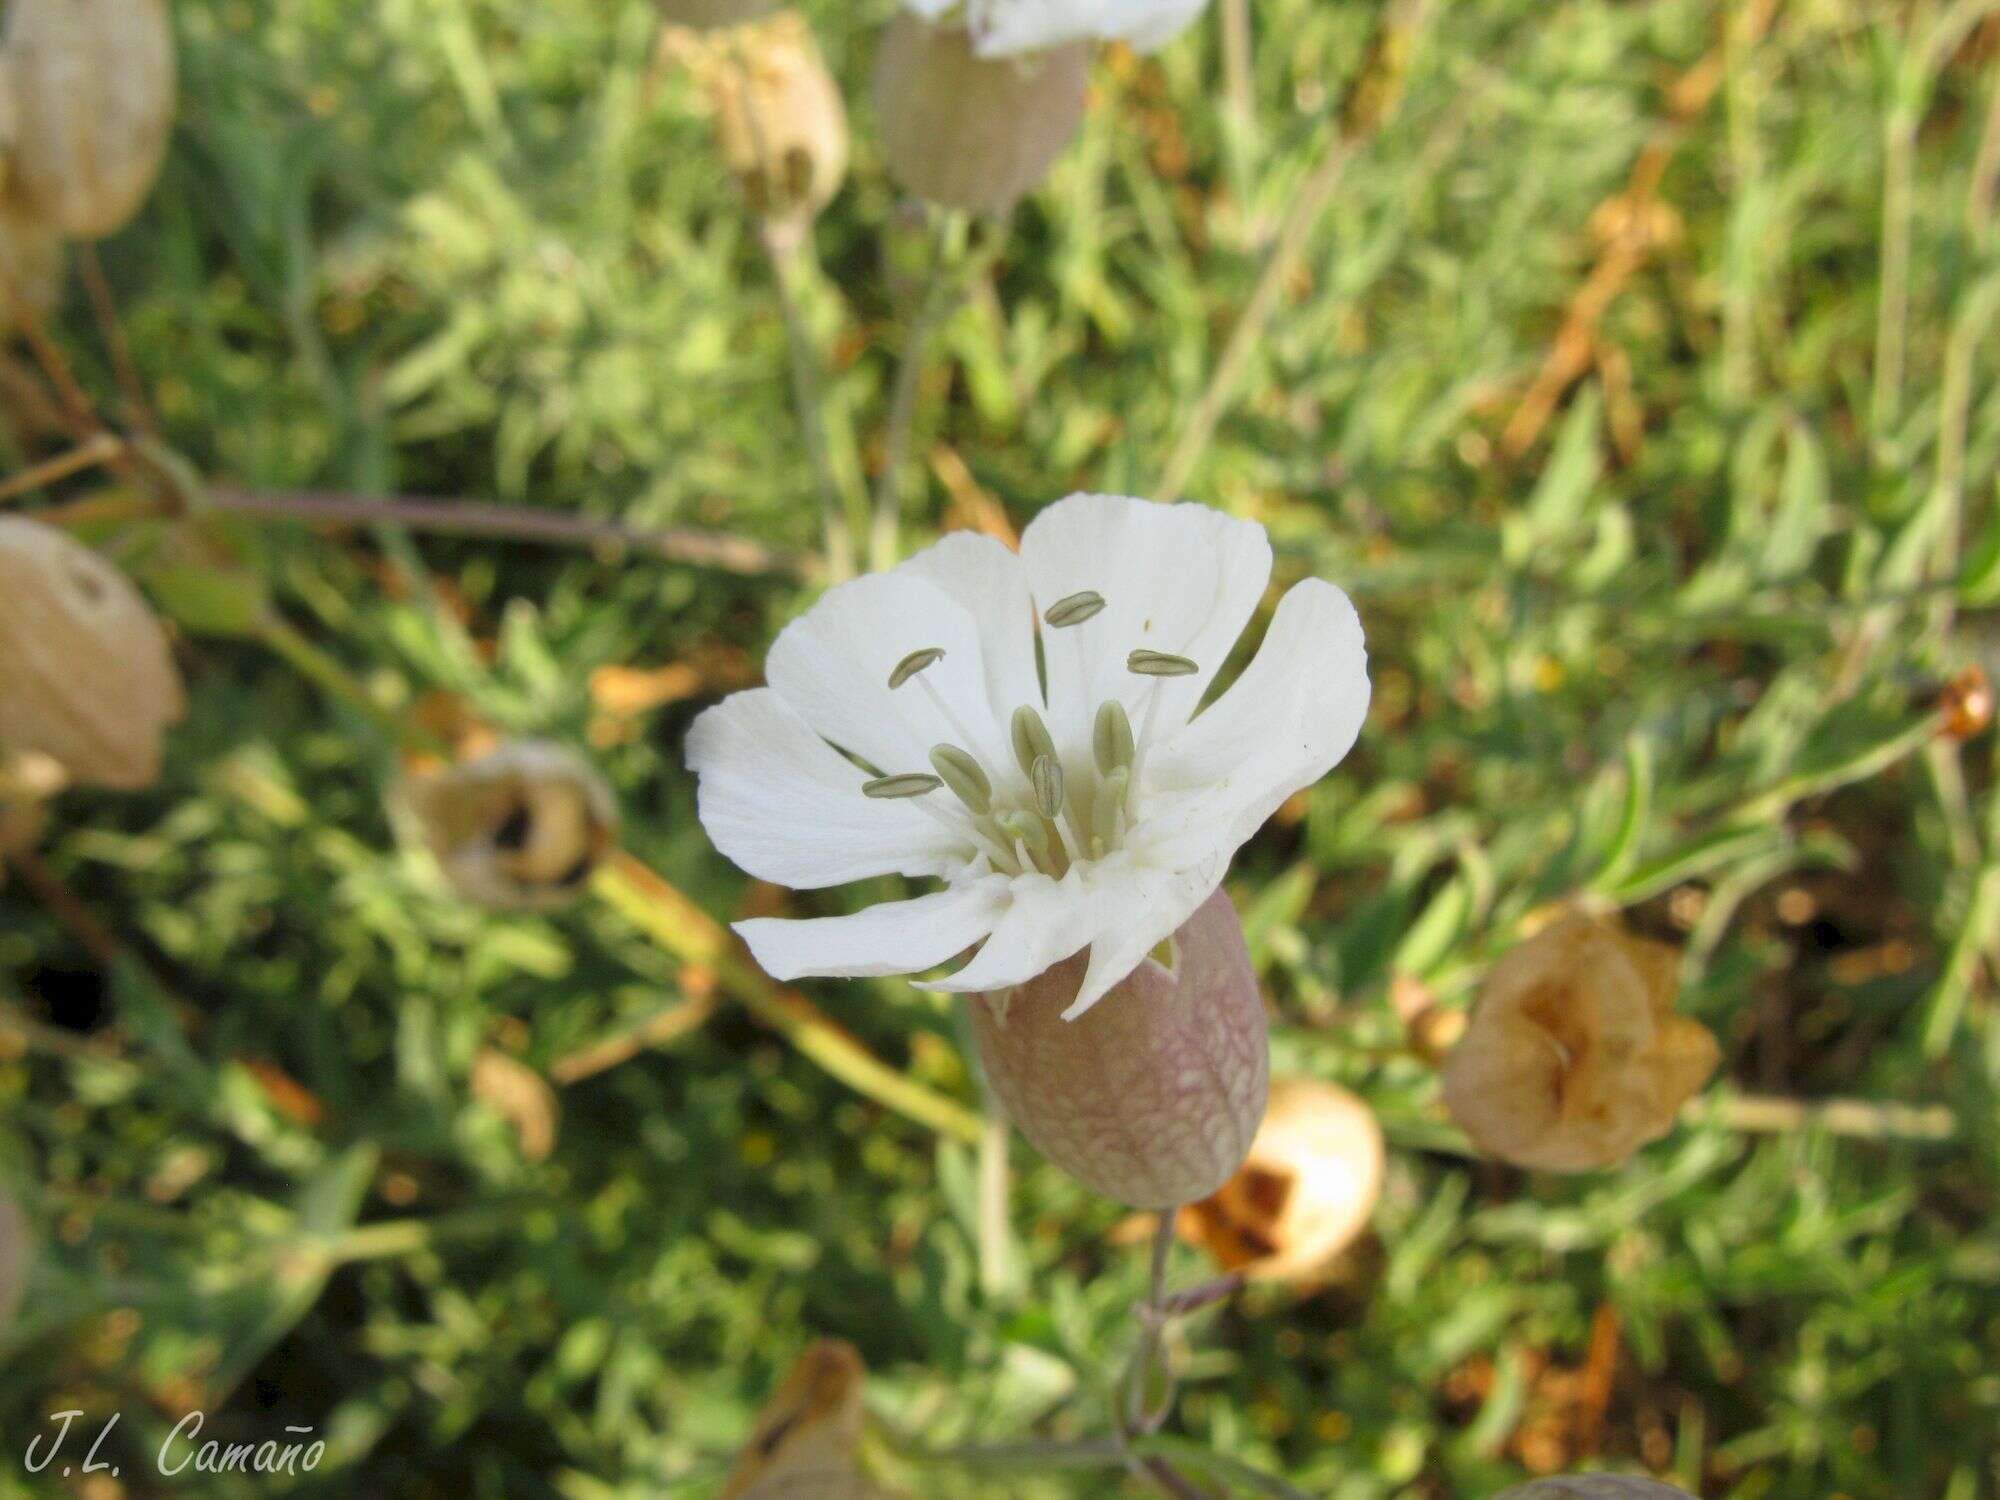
1004,28
1098,815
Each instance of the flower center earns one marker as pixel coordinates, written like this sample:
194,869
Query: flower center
1051,815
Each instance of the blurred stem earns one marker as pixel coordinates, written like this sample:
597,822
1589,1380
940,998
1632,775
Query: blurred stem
111,328
729,554
97,450
1237,65
1899,149
1776,802
996,1239
659,910
809,402
317,667
1140,1414
947,250
1370,101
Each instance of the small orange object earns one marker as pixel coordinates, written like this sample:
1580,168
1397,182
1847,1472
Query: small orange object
1966,704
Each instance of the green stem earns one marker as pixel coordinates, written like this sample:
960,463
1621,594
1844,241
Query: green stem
885,528
810,406
316,666
1373,98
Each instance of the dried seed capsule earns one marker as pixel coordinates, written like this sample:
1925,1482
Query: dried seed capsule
95,82
781,124
1152,1096
970,132
85,674
16,1252
523,827
1574,1057
704,14
1594,1487
808,1436
1305,1193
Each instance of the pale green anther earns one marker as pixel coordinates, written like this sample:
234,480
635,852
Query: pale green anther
1105,814
1074,610
1031,739
914,663
965,776
910,784
1111,738
1048,779
1030,831
1160,664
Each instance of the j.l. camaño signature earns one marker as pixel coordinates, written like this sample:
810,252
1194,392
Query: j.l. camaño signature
181,1452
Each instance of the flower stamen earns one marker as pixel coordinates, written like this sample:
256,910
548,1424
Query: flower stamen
917,661
895,788
1031,740
1111,738
1073,610
966,778
1047,777
1159,664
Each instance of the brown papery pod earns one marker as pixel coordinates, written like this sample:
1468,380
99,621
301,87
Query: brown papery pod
1594,1487
971,132
1574,1058
780,122
523,827
1153,1095
95,81
809,1434
16,1252
1305,1193
704,14
85,674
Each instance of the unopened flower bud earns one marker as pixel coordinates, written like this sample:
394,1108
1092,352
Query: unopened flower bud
16,1252
780,122
85,674
95,85
1574,1057
524,827
808,1436
970,132
1594,1487
1152,1096
1306,1191
705,14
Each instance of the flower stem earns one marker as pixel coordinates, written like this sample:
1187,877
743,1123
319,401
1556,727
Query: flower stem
1370,101
810,405
884,529
725,553
1140,1415
100,449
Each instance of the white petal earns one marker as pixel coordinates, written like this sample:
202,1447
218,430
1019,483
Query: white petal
780,802
1288,720
985,576
1044,923
1139,907
1183,579
1003,28
832,666
894,937
930,10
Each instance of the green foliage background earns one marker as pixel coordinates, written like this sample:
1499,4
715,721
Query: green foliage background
1682,653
